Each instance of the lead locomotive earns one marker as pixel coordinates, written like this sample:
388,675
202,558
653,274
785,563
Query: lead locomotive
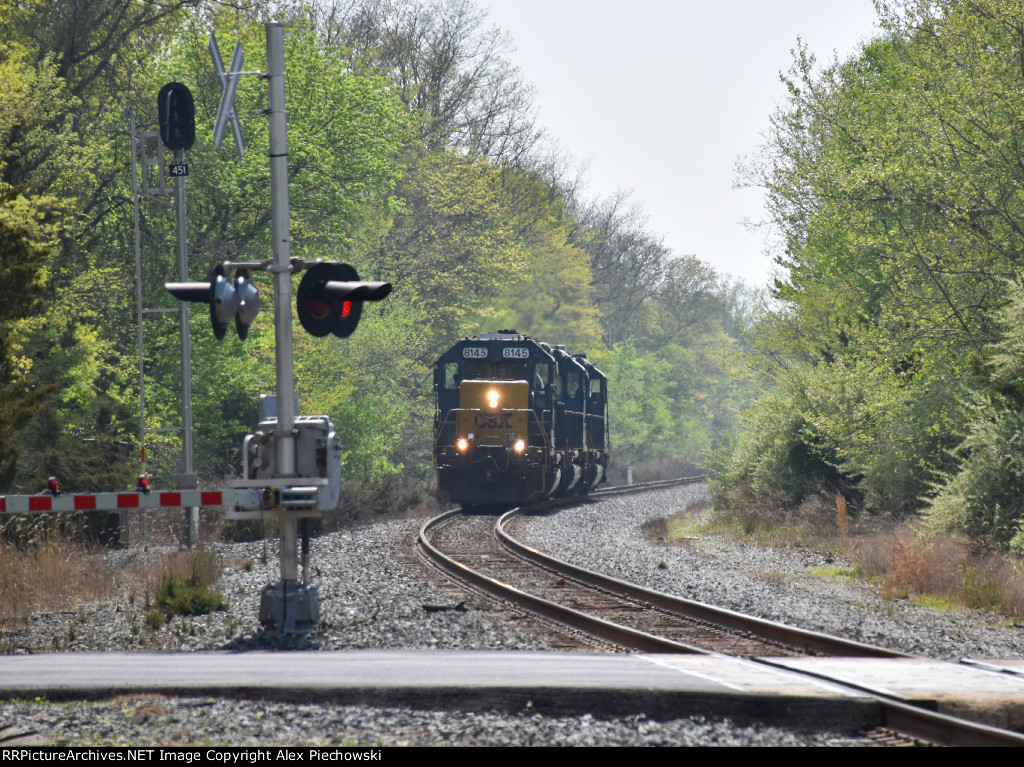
518,420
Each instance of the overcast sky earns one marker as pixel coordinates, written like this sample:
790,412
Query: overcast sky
662,97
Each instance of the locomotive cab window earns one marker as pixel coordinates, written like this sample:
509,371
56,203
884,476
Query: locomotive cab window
596,390
572,384
513,371
451,375
479,370
541,376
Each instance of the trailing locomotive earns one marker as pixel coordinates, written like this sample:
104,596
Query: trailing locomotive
518,420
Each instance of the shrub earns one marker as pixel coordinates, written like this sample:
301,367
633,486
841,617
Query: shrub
915,565
775,458
985,498
185,586
835,426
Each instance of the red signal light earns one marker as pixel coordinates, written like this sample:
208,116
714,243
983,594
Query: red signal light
334,286
319,308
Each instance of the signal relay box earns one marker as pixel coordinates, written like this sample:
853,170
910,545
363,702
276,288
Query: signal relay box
317,454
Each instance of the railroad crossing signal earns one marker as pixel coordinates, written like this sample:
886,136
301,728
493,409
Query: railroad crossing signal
229,87
239,302
330,299
248,303
177,115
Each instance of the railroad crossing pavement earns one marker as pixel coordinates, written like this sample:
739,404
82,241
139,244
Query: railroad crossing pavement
981,695
549,683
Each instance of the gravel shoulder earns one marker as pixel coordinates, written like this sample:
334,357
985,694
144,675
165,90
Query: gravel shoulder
778,584
374,594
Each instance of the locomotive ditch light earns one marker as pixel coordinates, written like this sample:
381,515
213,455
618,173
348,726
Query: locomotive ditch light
330,299
462,444
520,446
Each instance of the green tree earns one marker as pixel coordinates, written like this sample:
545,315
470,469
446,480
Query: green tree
345,132
453,246
627,262
982,497
451,69
552,299
639,405
23,251
894,180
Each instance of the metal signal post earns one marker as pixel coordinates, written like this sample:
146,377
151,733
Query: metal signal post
188,470
296,602
176,115
296,459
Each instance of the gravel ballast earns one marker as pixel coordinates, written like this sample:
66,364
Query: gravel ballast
774,583
374,595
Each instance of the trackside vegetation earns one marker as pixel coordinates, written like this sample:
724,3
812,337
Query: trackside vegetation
882,367
891,356
413,155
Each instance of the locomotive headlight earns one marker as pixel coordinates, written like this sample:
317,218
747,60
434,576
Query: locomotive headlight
462,444
492,398
520,446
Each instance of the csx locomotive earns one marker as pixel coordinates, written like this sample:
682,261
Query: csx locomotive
518,420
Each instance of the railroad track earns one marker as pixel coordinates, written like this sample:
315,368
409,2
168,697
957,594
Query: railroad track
622,616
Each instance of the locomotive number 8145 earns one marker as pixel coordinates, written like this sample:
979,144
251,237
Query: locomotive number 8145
518,420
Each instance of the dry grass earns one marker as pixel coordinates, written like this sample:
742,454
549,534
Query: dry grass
913,566
185,585
50,574
905,562
166,526
816,523
172,583
145,575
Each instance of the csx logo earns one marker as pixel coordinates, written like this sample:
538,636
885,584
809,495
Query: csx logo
493,420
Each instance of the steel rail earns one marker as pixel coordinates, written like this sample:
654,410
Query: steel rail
911,719
574,619
918,722
566,616
802,639
993,668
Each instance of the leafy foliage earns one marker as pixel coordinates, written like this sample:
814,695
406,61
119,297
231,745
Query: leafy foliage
895,180
413,155
21,272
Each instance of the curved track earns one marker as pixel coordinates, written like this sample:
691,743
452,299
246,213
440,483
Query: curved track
629,617
486,556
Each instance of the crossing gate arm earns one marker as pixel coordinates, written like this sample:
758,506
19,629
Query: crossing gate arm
245,498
